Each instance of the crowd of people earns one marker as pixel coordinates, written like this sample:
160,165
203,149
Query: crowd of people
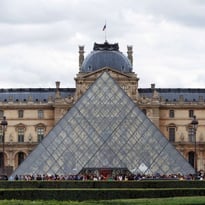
83,177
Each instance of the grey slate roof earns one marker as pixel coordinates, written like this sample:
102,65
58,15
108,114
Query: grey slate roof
37,94
42,94
100,59
106,55
173,94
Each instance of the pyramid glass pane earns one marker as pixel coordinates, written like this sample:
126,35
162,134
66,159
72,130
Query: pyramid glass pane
104,129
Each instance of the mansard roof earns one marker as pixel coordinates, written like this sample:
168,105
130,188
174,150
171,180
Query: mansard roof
174,94
43,94
34,94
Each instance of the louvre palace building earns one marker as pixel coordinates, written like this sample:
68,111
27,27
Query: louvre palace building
105,124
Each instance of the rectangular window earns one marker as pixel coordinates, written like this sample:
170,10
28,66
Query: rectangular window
191,134
191,113
21,135
171,113
172,134
40,133
40,114
20,113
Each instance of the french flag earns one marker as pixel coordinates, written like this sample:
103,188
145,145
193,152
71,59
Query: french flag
104,27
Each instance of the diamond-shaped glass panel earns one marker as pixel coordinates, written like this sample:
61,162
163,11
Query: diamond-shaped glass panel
104,129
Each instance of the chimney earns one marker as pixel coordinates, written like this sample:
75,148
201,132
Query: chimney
129,54
58,95
81,55
152,86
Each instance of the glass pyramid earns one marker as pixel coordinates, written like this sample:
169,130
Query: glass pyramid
104,129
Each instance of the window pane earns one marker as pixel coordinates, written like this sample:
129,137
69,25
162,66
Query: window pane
40,133
21,135
191,113
20,114
20,157
191,135
40,114
172,134
171,113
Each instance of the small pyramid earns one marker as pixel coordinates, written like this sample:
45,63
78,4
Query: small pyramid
104,129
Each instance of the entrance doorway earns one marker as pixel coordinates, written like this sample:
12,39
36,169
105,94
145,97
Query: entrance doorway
105,173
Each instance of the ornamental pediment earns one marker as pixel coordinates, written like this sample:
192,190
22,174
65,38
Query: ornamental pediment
20,126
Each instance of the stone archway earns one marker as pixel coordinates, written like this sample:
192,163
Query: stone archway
19,158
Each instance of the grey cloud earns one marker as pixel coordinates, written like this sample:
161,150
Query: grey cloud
39,39
187,12
23,33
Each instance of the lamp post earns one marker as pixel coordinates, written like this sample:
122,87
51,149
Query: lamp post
4,126
194,124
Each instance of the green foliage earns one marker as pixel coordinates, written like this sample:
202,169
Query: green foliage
98,190
163,201
103,184
96,194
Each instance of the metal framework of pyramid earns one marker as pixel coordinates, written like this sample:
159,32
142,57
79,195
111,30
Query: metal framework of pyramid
104,129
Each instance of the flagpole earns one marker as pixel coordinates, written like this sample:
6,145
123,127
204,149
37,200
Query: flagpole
104,29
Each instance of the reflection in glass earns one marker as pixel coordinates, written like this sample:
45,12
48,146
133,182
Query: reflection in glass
104,130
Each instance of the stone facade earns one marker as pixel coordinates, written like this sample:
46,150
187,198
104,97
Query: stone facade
30,119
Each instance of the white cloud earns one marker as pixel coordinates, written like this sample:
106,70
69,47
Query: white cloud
39,39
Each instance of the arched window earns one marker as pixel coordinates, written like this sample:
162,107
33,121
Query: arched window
40,133
21,157
191,158
172,131
1,160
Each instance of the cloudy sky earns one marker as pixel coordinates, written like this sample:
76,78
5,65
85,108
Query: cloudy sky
39,40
